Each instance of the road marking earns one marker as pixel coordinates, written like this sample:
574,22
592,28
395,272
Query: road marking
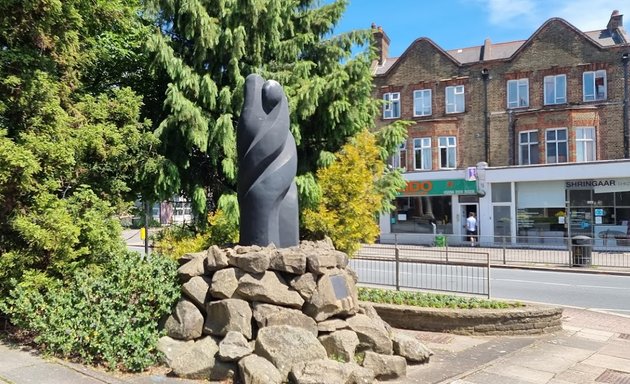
562,284
532,282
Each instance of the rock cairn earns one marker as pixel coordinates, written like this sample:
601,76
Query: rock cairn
265,315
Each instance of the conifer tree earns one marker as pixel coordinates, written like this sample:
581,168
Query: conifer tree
207,48
73,143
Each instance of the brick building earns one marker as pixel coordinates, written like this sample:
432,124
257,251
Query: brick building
531,135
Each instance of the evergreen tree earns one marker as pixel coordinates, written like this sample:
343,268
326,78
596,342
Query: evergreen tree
207,48
71,128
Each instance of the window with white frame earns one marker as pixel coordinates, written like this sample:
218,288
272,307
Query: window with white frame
528,148
455,101
422,154
399,159
391,108
555,89
448,151
422,102
594,85
518,93
556,144
585,144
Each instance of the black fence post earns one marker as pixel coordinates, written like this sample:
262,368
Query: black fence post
397,269
488,275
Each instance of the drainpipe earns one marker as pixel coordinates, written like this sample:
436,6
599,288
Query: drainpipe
512,146
485,75
626,134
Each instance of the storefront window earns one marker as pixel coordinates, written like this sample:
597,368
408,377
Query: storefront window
501,193
540,214
501,222
604,216
419,214
544,225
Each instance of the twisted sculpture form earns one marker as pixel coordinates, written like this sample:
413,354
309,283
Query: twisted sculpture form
267,157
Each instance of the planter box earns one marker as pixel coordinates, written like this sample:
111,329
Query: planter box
526,320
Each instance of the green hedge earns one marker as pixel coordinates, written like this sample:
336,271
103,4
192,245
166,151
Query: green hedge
103,315
430,300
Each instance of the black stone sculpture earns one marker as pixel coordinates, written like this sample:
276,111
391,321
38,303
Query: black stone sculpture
267,158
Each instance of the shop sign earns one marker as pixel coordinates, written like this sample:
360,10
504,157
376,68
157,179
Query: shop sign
600,185
440,188
471,174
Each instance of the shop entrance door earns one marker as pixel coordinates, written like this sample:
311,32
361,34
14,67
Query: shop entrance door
465,210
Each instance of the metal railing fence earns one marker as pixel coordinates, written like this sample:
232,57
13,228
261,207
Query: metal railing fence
557,251
466,272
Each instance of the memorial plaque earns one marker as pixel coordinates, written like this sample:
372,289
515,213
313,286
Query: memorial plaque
339,286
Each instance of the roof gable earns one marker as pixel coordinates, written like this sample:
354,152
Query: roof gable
549,32
422,47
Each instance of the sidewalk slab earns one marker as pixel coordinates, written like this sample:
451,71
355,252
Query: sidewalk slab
519,372
14,358
460,355
49,373
580,374
609,362
617,348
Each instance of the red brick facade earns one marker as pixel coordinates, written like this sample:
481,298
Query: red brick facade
556,48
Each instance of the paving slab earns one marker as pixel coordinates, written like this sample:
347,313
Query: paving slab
484,377
594,334
609,362
577,376
13,358
617,348
49,373
446,365
514,371
572,340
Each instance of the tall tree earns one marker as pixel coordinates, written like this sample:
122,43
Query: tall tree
72,140
207,48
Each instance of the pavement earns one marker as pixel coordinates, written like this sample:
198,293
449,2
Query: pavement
593,347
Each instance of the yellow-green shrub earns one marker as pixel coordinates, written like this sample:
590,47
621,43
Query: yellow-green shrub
350,197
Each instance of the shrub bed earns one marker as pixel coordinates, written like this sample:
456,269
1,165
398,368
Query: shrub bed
105,315
430,300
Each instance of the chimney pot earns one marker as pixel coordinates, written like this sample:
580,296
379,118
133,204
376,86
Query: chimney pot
381,42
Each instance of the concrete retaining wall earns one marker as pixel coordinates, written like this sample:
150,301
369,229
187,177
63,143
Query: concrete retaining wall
527,320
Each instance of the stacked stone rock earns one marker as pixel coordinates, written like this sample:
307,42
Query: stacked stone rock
267,315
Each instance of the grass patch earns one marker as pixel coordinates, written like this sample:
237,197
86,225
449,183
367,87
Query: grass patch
430,300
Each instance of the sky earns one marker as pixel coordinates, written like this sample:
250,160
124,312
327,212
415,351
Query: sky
456,24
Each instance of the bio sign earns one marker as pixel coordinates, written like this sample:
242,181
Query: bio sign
440,187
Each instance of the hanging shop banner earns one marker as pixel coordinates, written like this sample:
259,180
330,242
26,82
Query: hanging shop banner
440,188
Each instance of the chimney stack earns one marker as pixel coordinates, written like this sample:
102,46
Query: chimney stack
615,22
381,42
486,51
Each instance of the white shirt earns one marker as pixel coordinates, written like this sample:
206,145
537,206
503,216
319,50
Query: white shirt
471,223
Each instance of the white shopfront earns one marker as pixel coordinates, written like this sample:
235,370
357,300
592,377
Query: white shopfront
542,204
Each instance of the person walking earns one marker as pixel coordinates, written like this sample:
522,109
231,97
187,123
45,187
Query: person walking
471,228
